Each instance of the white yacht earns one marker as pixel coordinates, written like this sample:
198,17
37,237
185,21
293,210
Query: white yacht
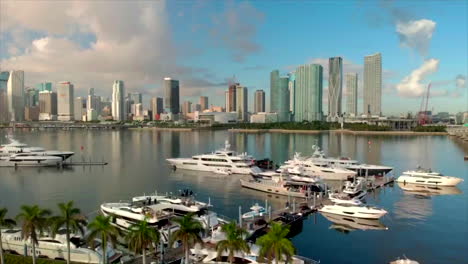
225,159
311,168
30,159
358,211
428,177
56,247
341,198
295,174
282,186
255,211
15,147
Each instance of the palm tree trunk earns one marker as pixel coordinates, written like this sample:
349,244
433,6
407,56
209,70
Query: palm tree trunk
144,255
103,245
68,245
2,260
34,252
186,248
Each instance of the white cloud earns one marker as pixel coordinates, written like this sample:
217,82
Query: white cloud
411,85
416,34
460,81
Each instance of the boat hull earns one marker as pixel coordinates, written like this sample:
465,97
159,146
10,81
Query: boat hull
351,212
275,189
189,164
442,181
370,171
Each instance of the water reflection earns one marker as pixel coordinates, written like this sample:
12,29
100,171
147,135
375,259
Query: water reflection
347,224
413,207
428,190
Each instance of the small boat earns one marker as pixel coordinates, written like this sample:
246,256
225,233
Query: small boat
428,177
344,199
358,211
256,211
223,171
353,188
404,261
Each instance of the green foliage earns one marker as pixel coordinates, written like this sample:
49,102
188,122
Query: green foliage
142,236
314,125
5,222
234,241
365,127
188,233
33,221
101,227
430,129
274,245
15,259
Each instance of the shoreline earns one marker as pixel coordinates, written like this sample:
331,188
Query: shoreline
163,129
347,131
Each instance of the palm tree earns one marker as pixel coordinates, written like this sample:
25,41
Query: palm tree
234,241
141,236
101,227
4,222
188,233
275,245
70,218
33,222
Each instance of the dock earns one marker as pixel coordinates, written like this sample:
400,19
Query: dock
85,163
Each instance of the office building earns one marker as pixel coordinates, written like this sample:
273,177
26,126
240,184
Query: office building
44,86
352,94
157,107
259,101
187,107
279,95
373,85
65,101
80,108
196,107
291,88
31,113
138,109
203,103
15,95
242,103
231,105
308,93
136,98
119,110
171,100
93,102
4,117
47,105
335,86
226,100
31,97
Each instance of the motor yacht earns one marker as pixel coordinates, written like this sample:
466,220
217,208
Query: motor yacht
225,159
255,211
15,147
342,198
56,247
30,159
428,177
347,224
323,170
358,211
295,174
282,185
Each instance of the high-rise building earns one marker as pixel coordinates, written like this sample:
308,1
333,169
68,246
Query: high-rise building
31,113
203,103
119,112
4,117
136,98
65,103
93,102
157,107
171,100
279,96
44,86
15,95
139,109
352,94
232,98
335,86
373,85
47,105
259,101
196,107
308,93
226,100
80,108
291,87
31,97
186,107
242,103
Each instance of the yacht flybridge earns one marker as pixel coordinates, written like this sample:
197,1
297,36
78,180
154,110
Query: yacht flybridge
224,159
428,177
16,147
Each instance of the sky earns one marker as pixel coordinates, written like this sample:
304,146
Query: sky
207,44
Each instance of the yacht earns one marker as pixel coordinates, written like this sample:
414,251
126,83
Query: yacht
225,159
295,174
30,159
358,211
310,168
281,186
428,177
56,247
346,223
319,157
344,199
256,211
15,147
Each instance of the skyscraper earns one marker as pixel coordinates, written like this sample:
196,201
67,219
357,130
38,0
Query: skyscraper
308,93
80,108
352,93
93,102
186,107
157,107
44,86
259,101
65,103
203,102
119,112
4,117
335,84
291,87
136,98
232,98
242,103
47,105
279,95
31,97
373,84
226,100
171,89
15,95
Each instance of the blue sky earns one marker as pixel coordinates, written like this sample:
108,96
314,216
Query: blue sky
203,43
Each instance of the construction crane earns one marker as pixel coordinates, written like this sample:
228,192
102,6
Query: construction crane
423,117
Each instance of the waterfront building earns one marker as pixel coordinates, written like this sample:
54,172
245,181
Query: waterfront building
91,114
31,113
80,108
308,93
335,86
242,103
171,89
138,109
136,98
119,111
279,95
44,86
226,100
203,103
231,106
156,107
31,97
4,117
93,102
47,105
352,94
196,107
186,107
291,88
373,85
259,101
215,117
65,103
215,108
15,95
264,118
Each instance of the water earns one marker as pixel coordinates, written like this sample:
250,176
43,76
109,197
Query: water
430,229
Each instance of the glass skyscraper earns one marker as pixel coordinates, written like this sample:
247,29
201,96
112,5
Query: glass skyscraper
308,93
352,92
171,100
44,86
335,83
373,85
259,101
279,95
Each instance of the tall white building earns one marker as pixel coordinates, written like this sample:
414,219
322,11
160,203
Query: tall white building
15,95
93,102
65,101
352,94
119,112
242,103
373,85
80,108
335,84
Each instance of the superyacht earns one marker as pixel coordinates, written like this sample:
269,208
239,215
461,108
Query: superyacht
428,177
16,147
30,160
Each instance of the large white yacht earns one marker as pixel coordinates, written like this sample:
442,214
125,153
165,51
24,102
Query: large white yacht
358,211
428,177
221,159
56,247
30,159
15,147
